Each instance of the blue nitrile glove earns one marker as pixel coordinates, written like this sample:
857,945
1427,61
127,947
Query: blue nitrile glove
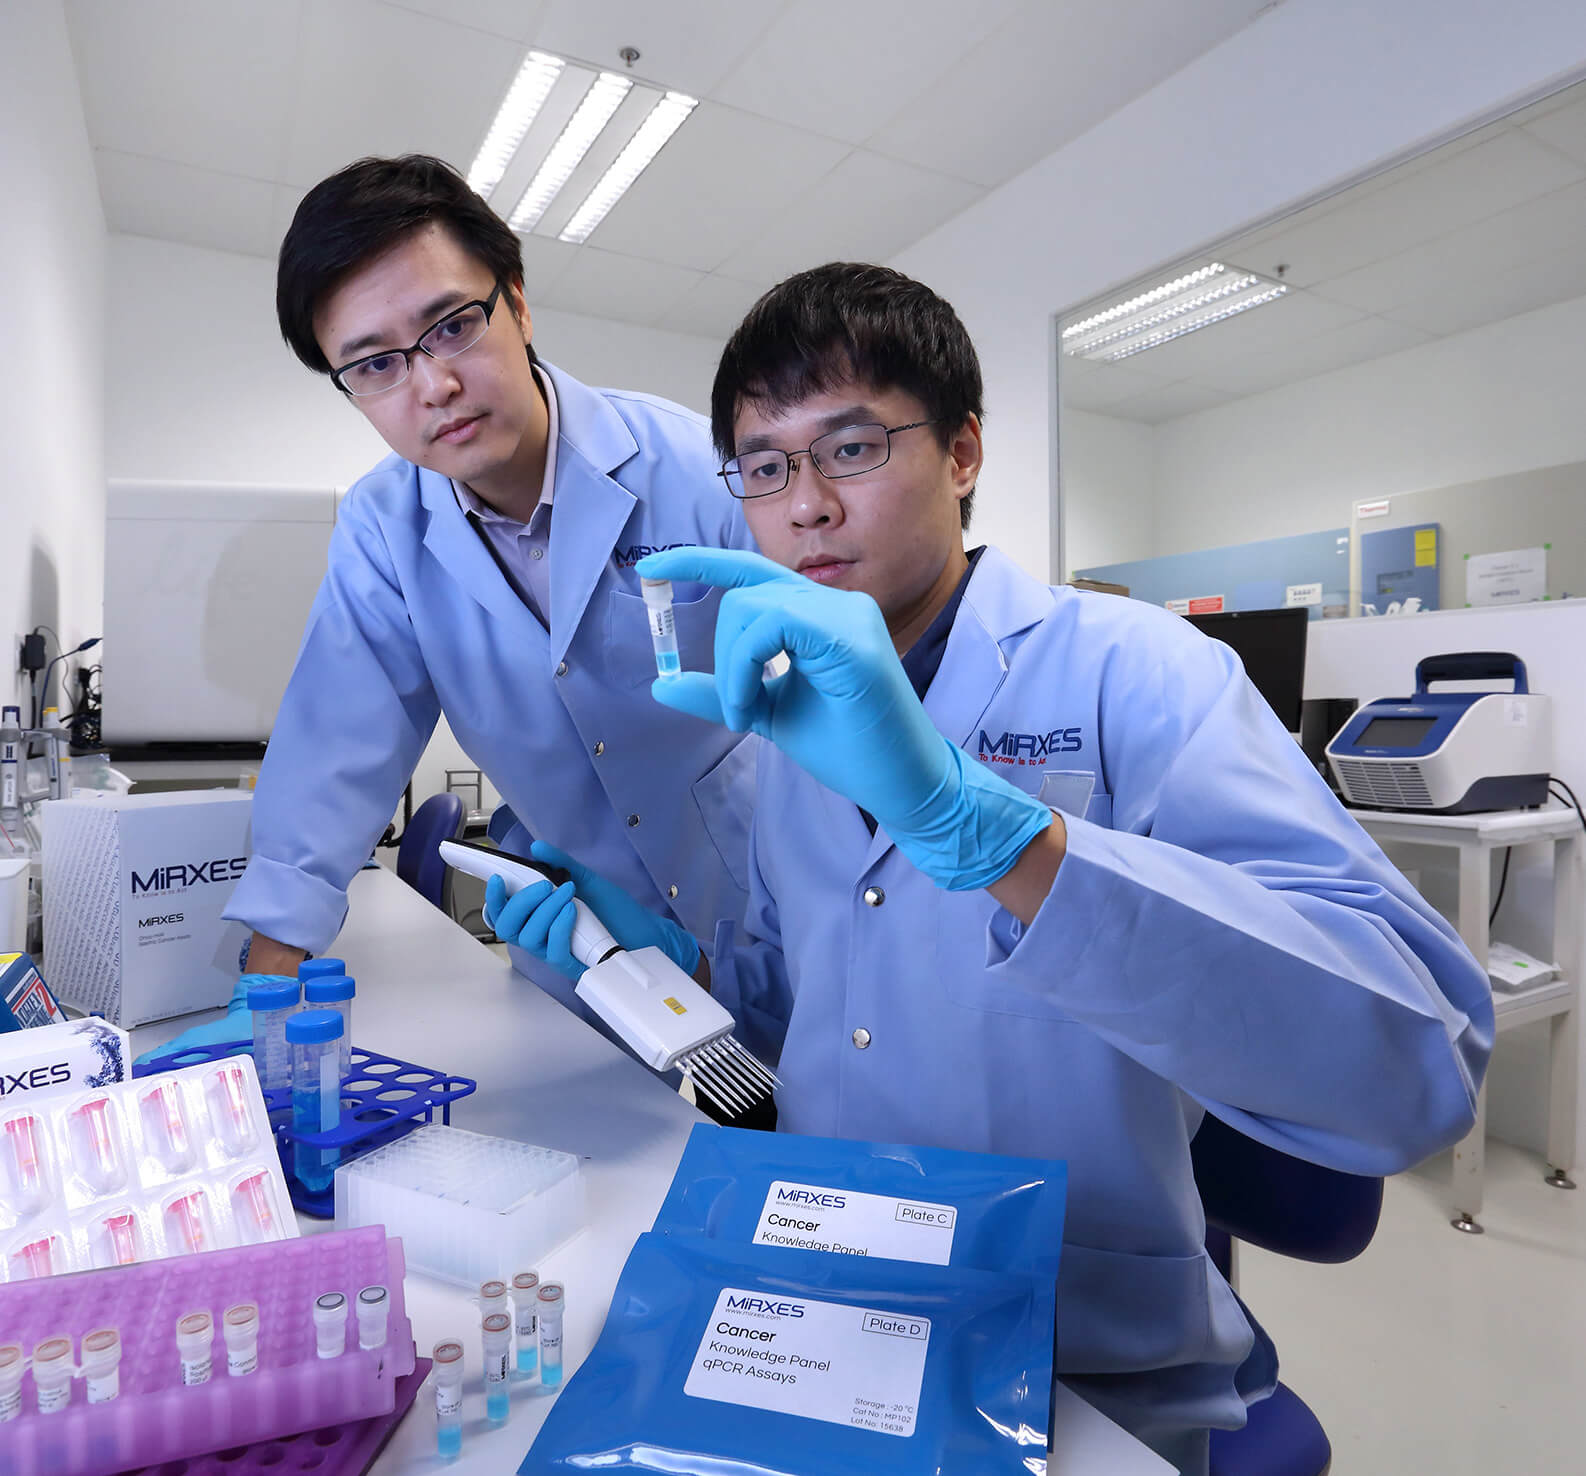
846,712
236,1024
539,919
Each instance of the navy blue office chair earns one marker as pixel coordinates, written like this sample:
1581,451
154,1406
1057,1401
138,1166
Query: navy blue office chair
419,862
1256,1194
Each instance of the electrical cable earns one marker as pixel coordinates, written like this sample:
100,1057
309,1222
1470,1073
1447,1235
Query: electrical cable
1553,779
1503,881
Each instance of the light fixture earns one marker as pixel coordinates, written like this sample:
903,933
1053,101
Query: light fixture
594,111
524,99
1149,319
660,123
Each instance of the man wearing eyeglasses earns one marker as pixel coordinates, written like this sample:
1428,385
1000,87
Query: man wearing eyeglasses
1034,871
485,570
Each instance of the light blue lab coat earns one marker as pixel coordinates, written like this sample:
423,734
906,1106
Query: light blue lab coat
414,618
1220,935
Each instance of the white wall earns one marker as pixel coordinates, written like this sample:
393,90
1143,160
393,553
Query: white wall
1506,397
1315,93
1109,490
52,259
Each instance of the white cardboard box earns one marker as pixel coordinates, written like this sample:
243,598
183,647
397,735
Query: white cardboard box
133,890
69,1056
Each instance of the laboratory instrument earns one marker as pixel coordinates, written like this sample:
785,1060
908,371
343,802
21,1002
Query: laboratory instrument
663,626
11,775
1450,753
273,999
525,1285
496,1335
448,1361
663,1015
550,1302
315,1039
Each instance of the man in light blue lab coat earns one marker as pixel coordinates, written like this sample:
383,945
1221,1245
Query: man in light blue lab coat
485,570
933,955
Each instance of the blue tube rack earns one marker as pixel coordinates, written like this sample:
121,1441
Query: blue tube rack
382,1099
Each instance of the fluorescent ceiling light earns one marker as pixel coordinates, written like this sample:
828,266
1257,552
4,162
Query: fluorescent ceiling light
604,97
524,99
660,123
1196,300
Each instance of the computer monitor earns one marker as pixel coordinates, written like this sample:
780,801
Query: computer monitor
1271,644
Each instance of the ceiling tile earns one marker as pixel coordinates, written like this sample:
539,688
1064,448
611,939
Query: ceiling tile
369,84
844,70
1538,283
607,286
1273,325
1564,128
689,47
283,207
187,80
867,209
712,308
1168,403
174,202
1090,384
709,190
544,260
1048,74
1306,357
516,20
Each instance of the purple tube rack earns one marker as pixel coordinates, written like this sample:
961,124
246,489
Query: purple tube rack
156,1419
337,1450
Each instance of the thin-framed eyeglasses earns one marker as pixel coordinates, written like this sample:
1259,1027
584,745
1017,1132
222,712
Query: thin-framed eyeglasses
454,334
839,453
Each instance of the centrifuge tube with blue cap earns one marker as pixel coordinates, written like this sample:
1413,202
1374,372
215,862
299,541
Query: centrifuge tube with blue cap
334,992
315,1039
272,998
663,627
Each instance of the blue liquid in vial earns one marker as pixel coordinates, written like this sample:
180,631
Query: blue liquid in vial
667,663
449,1441
496,1405
551,1375
315,1168
528,1359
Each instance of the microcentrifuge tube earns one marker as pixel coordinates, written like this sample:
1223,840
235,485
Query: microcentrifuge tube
525,1286
102,1364
330,1324
94,1148
188,1221
550,1297
253,1204
195,1332
497,1330
166,1127
25,1138
663,628
52,1374
239,1326
374,1309
227,1090
116,1239
12,1366
448,1361
42,1257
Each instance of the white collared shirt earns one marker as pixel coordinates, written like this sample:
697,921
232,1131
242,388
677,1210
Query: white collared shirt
523,549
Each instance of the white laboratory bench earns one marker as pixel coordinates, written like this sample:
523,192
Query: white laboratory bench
428,992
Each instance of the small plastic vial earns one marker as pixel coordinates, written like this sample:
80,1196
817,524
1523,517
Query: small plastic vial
240,1327
26,1169
227,1092
254,1212
497,1329
315,1038
334,992
187,1222
550,1299
663,628
525,1286
52,1374
117,1239
273,999
102,1364
11,1369
330,1324
96,1147
374,1310
195,1332
448,1360
165,1128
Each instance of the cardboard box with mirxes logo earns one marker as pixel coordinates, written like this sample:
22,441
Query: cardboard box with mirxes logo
133,890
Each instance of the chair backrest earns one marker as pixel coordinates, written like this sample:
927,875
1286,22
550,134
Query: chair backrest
1282,1204
419,862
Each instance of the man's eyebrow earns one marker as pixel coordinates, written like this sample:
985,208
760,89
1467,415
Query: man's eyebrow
837,420
422,317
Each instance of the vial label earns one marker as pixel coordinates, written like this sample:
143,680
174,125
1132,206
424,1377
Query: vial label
495,1368
238,1364
197,1370
54,1400
448,1401
106,1388
528,1324
551,1346
662,624
10,1404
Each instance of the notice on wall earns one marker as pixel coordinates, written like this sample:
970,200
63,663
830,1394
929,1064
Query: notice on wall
1514,578
1198,605
1302,594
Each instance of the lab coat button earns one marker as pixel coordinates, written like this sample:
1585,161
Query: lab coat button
561,668
536,553
671,891
874,896
633,820
600,748
861,1037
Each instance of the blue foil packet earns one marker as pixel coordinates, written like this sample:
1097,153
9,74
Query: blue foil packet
935,1205
741,1360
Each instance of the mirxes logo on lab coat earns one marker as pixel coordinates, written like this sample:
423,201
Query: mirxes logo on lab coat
1029,748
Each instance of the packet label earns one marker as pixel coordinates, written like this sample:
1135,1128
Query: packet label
816,1217
855,1366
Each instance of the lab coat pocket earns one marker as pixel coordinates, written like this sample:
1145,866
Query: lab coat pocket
1119,1313
725,796
628,650
973,932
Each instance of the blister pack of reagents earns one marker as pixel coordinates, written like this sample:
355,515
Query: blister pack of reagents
936,1205
759,1361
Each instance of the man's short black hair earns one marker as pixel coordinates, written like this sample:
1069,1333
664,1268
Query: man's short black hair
365,209
849,321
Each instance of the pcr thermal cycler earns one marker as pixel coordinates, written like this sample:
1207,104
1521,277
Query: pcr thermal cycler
1449,752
